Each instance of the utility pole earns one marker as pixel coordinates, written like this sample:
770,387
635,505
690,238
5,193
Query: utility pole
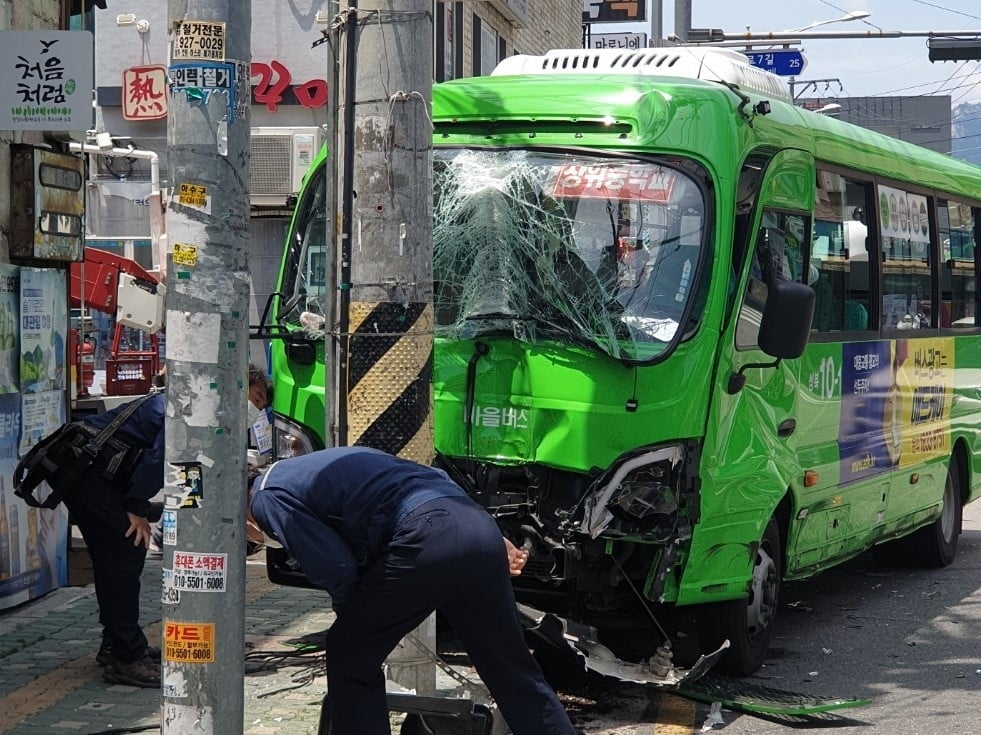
207,356
382,362
682,20
657,23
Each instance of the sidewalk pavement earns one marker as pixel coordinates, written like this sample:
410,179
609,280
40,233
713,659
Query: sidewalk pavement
50,683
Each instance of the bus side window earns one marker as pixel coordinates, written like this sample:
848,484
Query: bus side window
838,267
778,256
957,227
908,260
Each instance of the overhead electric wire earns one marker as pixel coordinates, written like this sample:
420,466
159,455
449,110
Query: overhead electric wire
949,10
944,82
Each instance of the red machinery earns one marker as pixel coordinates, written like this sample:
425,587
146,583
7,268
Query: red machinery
114,285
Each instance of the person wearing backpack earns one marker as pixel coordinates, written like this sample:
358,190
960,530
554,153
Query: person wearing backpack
112,516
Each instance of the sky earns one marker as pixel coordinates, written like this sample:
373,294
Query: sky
864,67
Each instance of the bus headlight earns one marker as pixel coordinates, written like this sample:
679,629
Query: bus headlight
636,497
290,439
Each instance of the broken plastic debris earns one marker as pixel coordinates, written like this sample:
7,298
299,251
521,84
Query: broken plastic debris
826,651
812,673
714,717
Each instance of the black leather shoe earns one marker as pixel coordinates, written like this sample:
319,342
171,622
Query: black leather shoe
104,656
140,673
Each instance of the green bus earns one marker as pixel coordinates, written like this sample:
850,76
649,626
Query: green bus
663,359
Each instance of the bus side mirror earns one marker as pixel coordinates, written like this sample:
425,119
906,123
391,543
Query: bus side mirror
786,322
301,351
784,328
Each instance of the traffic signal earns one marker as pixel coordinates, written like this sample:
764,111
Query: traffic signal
954,49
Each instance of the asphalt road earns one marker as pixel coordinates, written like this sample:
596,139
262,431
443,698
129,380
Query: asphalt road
907,639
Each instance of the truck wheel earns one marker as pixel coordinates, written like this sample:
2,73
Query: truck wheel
749,623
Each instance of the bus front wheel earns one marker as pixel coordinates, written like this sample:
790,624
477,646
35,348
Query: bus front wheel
749,623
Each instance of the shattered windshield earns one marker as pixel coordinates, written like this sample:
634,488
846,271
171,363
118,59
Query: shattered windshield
572,248
305,269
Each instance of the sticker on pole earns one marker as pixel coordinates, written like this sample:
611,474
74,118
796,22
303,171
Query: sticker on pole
189,643
169,527
197,572
185,254
190,484
169,595
195,195
196,39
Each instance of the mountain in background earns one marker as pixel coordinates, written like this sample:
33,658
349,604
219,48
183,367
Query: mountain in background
966,132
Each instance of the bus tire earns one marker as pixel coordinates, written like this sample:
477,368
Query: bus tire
748,624
936,544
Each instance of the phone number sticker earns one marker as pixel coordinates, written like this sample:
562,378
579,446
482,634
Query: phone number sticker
189,643
185,254
195,39
196,572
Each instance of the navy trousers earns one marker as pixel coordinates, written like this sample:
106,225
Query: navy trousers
97,509
448,555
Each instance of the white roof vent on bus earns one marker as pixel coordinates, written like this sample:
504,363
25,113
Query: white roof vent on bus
689,62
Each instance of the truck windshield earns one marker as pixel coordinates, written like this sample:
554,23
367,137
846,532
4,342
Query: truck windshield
565,247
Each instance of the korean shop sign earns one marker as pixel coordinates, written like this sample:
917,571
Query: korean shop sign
145,92
45,80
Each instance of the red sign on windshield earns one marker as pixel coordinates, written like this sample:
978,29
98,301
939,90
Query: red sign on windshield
624,183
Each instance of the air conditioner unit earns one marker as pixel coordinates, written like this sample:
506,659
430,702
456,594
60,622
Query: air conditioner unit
280,158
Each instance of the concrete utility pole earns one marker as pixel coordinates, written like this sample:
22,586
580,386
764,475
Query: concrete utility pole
657,23
682,20
207,356
384,301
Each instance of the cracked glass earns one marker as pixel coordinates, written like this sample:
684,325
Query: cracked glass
567,248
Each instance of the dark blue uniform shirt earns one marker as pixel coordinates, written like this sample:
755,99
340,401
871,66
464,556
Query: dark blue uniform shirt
144,429
336,509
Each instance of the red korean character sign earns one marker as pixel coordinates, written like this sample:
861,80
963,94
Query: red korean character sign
145,92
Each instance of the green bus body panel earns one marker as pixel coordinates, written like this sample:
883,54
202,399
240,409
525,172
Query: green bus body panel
567,408
299,389
697,119
563,407
789,183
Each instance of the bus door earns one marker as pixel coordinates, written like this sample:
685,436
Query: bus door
751,437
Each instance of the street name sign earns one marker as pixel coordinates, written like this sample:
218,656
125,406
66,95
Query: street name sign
787,62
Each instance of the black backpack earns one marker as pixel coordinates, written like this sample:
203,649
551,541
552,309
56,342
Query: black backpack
64,456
